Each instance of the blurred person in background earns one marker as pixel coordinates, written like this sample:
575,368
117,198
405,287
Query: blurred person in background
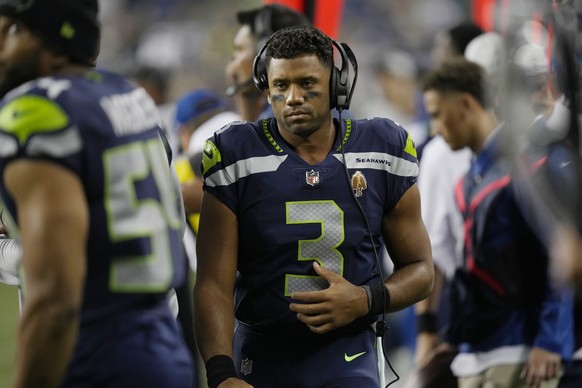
512,324
256,26
440,170
398,76
198,114
452,42
155,81
559,181
9,256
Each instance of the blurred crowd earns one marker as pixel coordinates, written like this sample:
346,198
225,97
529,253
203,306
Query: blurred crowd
190,41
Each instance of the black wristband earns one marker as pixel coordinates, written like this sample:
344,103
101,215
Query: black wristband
378,298
426,323
218,369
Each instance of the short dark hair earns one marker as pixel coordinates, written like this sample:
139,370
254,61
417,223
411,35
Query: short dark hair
459,75
269,19
299,41
462,34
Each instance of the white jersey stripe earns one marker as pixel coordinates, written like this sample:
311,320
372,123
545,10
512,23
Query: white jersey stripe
244,168
57,145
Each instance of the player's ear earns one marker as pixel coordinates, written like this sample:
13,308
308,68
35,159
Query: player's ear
466,100
269,97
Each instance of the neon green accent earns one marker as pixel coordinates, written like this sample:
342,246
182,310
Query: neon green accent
67,31
265,127
94,76
210,157
352,358
409,148
347,135
28,115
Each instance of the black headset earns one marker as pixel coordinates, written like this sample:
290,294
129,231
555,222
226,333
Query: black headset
263,26
341,88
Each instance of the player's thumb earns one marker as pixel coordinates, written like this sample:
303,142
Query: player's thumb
324,273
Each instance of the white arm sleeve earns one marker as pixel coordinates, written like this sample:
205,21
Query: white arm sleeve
440,170
9,261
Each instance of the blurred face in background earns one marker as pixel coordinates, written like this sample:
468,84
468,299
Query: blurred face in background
240,67
448,117
22,55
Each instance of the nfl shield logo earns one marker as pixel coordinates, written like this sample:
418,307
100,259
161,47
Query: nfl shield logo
246,366
312,177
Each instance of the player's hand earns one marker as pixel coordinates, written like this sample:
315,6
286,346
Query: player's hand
336,306
541,365
234,383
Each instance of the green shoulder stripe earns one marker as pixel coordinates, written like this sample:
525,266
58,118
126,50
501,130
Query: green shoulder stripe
409,148
27,115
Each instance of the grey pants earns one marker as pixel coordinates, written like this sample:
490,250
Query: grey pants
502,376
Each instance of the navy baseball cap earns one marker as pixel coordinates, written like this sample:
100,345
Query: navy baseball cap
196,103
70,26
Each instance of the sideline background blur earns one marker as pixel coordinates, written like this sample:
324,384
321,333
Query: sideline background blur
191,40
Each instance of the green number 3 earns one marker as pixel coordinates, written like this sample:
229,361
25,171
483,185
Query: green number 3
131,217
322,249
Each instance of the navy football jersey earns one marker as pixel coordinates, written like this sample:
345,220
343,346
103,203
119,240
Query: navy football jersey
291,213
105,131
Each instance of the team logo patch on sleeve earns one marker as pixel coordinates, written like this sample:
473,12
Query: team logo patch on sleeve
210,156
359,183
29,115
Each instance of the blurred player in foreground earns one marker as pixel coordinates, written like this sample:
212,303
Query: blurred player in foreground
90,197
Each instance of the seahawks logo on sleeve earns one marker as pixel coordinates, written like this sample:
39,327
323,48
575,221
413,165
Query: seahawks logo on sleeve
210,157
26,120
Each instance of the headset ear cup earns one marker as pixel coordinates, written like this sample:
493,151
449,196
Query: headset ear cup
333,79
260,70
262,80
342,92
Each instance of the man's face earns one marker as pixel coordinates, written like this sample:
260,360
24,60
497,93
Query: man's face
448,117
299,94
21,55
240,67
